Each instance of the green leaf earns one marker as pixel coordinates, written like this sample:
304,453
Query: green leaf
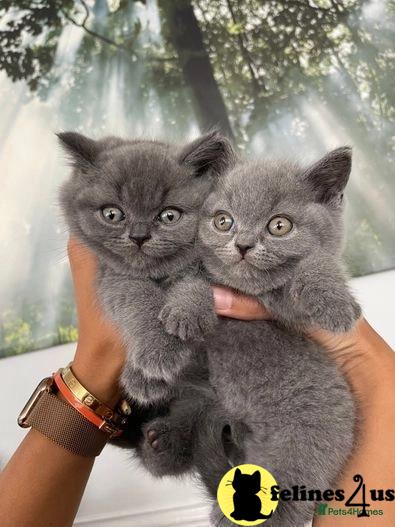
235,28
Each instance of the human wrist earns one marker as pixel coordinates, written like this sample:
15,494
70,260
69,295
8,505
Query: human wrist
368,364
366,361
99,372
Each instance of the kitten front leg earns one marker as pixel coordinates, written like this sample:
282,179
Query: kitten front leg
189,309
320,293
143,389
151,351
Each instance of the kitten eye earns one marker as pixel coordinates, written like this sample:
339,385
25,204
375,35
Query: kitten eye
223,221
169,216
279,225
112,214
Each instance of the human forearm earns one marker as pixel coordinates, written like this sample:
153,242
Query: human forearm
42,484
365,359
369,366
374,460
100,369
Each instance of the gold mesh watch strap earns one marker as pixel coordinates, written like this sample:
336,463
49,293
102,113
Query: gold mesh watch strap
64,425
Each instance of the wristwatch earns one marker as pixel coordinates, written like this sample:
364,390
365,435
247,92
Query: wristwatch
61,422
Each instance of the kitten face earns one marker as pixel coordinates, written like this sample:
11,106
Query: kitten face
263,218
137,203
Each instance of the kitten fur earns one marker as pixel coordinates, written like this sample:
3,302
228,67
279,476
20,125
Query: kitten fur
140,256
281,402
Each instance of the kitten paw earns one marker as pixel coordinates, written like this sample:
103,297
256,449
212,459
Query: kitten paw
165,450
187,326
153,438
330,309
157,435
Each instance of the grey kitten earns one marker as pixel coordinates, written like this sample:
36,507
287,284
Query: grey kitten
272,230
275,231
136,205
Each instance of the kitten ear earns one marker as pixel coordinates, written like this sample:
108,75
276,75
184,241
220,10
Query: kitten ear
329,176
211,153
81,150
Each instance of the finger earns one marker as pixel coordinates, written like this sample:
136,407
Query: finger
230,304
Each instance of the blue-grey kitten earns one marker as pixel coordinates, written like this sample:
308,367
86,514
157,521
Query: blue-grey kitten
136,205
272,230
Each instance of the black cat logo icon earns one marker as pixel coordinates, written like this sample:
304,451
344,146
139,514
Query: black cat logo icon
246,501
244,495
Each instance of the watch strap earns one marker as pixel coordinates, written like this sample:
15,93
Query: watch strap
65,426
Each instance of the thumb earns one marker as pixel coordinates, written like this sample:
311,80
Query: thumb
230,304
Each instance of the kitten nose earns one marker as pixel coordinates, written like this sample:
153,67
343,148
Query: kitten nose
139,240
243,248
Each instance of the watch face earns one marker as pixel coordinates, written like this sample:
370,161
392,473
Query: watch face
44,386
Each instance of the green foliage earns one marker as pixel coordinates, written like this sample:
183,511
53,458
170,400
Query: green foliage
234,29
28,37
67,334
263,53
265,56
30,327
16,335
266,53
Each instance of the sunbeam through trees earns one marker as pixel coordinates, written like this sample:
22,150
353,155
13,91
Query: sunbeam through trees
293,77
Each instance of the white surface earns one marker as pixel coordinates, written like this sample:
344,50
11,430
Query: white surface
119,493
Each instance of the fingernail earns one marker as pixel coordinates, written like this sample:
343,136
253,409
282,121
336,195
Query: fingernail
223,299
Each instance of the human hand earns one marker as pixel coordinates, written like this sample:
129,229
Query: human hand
100,354
364,357
230,304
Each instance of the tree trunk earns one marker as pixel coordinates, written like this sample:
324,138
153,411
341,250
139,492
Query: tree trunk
186,36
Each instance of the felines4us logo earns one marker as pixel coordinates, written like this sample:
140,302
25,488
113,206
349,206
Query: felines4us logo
249,495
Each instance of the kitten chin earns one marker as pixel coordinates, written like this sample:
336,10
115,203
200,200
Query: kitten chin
248,279
146,266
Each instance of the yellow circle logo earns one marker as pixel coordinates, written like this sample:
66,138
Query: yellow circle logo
244,495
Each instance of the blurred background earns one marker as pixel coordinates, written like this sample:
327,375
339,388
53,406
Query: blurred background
291,77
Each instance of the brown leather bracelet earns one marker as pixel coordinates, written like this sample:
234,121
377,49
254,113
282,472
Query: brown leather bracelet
61,423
